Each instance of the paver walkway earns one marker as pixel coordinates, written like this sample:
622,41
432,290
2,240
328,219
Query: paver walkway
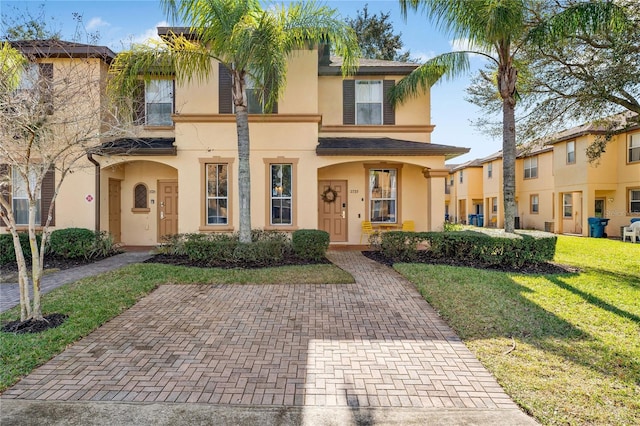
10,292
375,344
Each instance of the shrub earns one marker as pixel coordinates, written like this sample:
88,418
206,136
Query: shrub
488,249
7,251
103,245
310,244
72,243
202,247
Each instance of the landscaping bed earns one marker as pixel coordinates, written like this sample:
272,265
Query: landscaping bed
183,260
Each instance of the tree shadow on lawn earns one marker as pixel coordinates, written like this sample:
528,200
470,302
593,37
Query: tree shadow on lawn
504,310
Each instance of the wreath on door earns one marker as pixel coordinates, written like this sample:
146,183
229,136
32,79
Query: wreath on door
329,195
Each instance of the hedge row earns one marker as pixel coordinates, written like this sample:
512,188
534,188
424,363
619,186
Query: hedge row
513,250
266,247
70,243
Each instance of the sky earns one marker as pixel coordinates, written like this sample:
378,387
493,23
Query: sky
120,22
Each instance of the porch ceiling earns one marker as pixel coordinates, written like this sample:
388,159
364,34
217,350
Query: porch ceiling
384,146
139,146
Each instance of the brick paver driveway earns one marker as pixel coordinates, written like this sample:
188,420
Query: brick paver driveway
375,343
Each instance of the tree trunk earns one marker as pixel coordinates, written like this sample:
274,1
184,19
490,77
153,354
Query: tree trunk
36,265
507,78
244,175
23,278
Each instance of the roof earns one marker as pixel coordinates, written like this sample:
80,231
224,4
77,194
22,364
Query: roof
368,67
62,49
384,146
468,164
616,123
139,146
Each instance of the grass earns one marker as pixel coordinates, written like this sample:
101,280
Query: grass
576,336
93,301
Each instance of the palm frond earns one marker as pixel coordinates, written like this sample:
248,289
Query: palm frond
447,65
12,64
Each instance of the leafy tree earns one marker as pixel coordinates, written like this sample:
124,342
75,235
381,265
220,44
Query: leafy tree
251,42
497,30
49,120
28,25
571,75
376,38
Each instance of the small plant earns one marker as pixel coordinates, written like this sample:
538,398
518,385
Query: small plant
103,246
310,244
451,227
72,243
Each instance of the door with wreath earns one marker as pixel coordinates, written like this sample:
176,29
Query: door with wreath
332,209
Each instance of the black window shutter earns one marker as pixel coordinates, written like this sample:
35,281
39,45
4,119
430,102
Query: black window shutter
46,73
225,99
139,103
389,111
6,191
348,102
173,95
46,197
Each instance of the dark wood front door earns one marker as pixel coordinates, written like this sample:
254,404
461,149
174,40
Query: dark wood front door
167,208
332,216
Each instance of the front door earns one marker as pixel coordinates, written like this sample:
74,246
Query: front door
599,208
167,208
114,210
332,209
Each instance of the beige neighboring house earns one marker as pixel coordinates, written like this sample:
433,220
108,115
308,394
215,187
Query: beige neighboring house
557,189
333,153
465,187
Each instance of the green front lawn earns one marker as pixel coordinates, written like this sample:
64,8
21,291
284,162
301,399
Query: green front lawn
93,301
565,347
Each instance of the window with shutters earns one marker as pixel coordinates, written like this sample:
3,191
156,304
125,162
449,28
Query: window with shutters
140,198
253,94
17,196
20,198
158,98
36,83
368,102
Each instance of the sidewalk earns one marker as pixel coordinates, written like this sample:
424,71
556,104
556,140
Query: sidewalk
373,352
10,293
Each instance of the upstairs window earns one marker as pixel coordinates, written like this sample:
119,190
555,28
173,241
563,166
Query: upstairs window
368,102
531,167
489,170
634,147
255,105
571,152
461,176
158,97
36,83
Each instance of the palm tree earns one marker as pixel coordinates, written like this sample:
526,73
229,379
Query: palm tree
250,42
498,30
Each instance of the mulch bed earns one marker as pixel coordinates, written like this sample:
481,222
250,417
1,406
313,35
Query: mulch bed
213,263
33,326
425,256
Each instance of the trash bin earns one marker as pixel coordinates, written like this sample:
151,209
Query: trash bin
473,220
480,220
596,227
516,222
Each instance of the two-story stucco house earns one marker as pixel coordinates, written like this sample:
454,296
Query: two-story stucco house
332,153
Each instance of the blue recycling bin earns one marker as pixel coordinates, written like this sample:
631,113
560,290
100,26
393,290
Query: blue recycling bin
596,226
480,220
473,220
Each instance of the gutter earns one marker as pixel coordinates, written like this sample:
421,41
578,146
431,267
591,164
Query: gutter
97,184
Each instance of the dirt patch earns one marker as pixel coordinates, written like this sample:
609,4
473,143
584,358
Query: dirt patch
214,263
34,326
51,264
425,256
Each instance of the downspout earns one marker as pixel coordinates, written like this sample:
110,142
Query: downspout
97,184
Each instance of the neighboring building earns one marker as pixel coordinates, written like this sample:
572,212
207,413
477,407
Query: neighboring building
331,154
466,196
557,189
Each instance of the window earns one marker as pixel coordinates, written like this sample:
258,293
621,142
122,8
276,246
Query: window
383,195
159,102
531,167
634,147
281,194
634,200
535,203
451,181
567,205
368,102
21,198
140,198
30,76
571,152
489,170
217,198
461,176
36,83
494,205
255,105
